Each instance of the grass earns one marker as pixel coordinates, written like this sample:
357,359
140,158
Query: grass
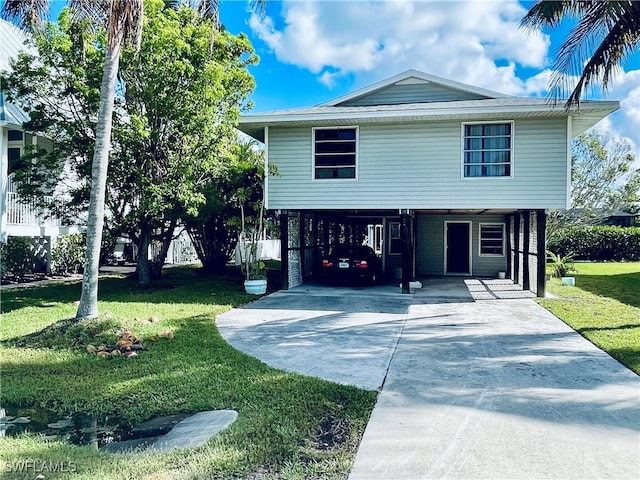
45,364
604,307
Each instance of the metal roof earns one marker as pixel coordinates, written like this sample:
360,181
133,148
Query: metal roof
467,110
13,41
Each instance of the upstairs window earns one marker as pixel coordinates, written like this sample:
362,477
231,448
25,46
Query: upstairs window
335,153
488,150
492,239
15,135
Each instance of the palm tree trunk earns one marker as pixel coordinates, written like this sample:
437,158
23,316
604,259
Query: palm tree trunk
88,307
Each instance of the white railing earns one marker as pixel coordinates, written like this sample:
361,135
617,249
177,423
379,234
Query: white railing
19,213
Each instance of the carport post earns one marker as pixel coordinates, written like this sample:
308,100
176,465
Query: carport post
284,248
407,250
541,237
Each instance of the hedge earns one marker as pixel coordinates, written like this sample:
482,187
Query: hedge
598,243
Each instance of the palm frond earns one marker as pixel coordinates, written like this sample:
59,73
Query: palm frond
546,13
605,35
209,9
29,14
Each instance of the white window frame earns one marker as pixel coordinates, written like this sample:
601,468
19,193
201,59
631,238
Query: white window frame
313,154
491,224
511,152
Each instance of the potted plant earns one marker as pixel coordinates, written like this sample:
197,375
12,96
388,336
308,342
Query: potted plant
560,266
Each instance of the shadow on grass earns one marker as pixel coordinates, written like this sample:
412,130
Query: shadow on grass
177,285
623,287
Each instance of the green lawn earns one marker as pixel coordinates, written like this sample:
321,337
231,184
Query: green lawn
604,307
45,363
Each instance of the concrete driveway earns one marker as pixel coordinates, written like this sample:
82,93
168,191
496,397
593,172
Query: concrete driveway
496,389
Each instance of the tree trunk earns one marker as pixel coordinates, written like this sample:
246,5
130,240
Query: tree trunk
144,266
88,307
167,238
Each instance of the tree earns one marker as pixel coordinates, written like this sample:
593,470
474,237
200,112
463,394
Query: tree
602,181
183,96
215,229
173,120
122,20
606,34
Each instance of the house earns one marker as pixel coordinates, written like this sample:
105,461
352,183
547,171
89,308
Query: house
443,178
19,218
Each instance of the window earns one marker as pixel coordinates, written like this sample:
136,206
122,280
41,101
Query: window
334,153
492,239
15,135
13,155
487,150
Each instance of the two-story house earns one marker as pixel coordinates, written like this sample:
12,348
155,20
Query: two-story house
441,177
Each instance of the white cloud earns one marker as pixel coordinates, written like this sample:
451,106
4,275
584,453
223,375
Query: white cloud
476,42
626,122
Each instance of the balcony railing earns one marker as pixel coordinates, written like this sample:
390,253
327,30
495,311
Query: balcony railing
19,213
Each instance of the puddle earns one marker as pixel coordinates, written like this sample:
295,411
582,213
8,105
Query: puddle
78,429
181,430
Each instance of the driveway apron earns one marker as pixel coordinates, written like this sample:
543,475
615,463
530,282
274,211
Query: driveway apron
343,335
497,389
500,389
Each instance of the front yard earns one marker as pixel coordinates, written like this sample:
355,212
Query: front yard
285,420
604,307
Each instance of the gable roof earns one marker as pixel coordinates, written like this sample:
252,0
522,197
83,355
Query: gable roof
415,77
475,104
10,114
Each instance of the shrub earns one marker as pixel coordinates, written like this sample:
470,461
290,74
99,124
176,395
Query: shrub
67,255
560,265
598,243
17,257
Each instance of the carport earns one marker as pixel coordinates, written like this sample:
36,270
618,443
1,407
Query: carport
404,238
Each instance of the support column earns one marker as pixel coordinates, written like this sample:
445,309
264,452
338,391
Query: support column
406,236
526,237
516,247
301,242
509,246
284,249
541,225
4,182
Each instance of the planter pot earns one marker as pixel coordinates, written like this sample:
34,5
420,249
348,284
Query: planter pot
255,287
502,275
571,281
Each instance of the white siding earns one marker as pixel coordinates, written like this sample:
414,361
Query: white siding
418,166
430,238
416,93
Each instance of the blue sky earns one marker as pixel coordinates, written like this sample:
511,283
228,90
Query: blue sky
315,50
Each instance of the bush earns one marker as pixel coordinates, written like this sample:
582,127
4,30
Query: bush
17,257
67,255
598,243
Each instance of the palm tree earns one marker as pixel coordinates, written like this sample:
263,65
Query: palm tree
123,21
606,33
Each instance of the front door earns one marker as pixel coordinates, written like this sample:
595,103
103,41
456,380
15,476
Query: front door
458,248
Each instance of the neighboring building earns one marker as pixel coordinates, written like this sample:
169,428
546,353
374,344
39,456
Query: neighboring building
443,178
18,218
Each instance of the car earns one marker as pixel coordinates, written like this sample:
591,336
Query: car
352,262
